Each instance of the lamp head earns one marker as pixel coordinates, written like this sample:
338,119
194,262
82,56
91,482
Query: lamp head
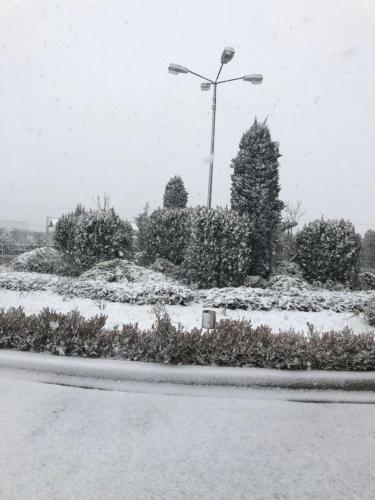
227,55
255,79
175,69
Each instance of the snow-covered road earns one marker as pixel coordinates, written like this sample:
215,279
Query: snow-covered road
157,441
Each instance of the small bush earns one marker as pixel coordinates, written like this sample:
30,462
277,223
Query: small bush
367,280
329,250
111,271
232,343
41,260
369,313
169,269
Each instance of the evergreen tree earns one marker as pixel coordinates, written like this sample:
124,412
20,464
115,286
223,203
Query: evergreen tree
175,194
255,192
368,249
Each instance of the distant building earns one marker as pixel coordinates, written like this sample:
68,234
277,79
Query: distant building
14,224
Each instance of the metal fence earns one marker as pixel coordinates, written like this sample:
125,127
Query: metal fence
13,249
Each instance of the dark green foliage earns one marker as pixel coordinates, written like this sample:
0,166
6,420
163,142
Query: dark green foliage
369,313
63,236
141,222
329,250
86,238
368,250
231,343
367,280
175,194
100,236
255,192
166,234
219,252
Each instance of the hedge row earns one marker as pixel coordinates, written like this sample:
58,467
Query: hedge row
232,343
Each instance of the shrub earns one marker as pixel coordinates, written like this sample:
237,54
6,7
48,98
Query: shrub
111,271
169,269
166,235
90,237
41,260
219,251
367,280
329,250
63,236
369,313
231,343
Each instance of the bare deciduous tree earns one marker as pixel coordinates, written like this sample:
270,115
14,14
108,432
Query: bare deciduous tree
102,202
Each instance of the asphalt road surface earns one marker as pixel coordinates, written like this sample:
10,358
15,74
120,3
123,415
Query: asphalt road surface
66,438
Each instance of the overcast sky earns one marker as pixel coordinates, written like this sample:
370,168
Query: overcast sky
87,103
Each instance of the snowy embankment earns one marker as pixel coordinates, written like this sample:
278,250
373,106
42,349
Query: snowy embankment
190,316
148,287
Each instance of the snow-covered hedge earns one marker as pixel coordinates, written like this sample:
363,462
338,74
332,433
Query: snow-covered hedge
41,260
135,285
292,300
231,343
219,252
123,281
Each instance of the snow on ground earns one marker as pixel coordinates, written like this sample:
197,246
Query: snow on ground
193,443
190,316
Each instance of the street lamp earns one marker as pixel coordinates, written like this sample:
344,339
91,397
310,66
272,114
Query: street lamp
226,57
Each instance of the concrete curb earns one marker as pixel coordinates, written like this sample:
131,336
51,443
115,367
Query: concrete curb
119,370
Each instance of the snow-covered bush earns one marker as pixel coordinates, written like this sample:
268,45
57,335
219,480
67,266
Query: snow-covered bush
369,313
286,283
231,343
367,280
111,271
41,260
175,194
329,250
288,269
169,269
90,237
63,236
219,252
166,234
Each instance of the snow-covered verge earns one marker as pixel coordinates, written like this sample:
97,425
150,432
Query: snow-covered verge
190,315
137,285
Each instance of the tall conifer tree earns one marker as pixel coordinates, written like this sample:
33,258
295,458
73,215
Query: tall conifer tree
175,194
255,192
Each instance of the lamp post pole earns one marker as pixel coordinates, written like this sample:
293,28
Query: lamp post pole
226,56
212,150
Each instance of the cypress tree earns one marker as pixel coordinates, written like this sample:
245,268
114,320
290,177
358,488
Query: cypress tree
175,194
255,192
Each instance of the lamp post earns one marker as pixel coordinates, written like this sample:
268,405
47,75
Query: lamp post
226,56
